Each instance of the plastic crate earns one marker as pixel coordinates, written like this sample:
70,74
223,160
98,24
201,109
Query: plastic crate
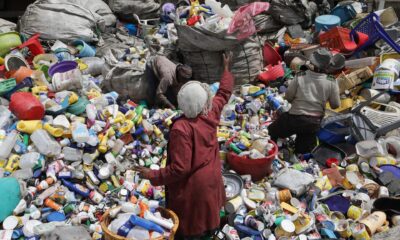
6,85
345,13
338,38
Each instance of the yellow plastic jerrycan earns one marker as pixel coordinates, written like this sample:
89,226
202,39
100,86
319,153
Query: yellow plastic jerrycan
29,126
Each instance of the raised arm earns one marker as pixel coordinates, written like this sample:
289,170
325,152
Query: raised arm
225,89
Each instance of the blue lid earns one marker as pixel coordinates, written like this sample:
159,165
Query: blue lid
328,20
56,217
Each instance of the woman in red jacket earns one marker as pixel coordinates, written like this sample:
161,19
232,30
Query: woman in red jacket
193,177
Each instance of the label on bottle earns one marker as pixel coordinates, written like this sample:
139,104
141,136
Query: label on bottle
125,229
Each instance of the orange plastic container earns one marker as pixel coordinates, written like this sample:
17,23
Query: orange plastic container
257,168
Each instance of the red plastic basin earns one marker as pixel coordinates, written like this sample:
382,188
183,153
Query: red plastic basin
257,168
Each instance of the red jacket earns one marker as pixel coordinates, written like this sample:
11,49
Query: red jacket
193,173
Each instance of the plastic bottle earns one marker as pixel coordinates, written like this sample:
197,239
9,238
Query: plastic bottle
77,188
146,224
5,115
29,160
45,144
72,154
91,113
12,163
162,222
119,144
80,133
123,227
56,132
8,144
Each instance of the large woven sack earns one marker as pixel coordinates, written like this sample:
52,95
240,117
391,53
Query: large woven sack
6,26
66,20
145,9
202,50
126,79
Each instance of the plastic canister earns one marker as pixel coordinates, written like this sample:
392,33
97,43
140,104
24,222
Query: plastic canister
26,106
391,64
80,133
383,79
69,80
374,221
233,204
72,154
29,126
326,22
45,144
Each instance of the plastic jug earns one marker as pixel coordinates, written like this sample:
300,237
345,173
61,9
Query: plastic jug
29,126
29,160
5,115
72,154
8,144
26,106
80,133
45,144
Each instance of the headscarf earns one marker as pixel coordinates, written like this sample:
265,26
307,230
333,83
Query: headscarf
195,98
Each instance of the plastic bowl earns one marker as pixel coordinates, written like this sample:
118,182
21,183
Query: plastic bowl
257,168
61,67
8,41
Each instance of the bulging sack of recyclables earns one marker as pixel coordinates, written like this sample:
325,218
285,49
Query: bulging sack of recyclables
143,8
128,80
66,20
202,50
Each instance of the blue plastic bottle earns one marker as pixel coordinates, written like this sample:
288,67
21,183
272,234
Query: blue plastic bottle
77,188
146,224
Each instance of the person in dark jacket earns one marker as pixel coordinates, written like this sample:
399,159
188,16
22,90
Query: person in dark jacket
168,78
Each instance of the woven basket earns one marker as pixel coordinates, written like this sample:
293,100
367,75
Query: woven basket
108,235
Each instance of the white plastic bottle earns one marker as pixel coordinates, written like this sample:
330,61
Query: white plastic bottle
45,144
29,160
72,154
5,115
8,144
80,133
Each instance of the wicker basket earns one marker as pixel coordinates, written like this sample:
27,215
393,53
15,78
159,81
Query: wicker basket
108,235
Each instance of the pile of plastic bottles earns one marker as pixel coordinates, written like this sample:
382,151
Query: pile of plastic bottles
70,146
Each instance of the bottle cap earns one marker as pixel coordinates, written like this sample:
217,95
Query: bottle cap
104,173
56,217
10,223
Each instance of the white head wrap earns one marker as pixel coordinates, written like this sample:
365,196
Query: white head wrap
195,98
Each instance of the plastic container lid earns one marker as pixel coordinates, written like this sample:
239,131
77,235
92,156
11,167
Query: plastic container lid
326,21
10,223
56,217
288,226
